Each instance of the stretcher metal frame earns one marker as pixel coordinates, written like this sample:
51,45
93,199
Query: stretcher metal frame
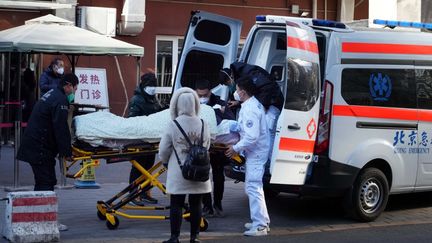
117,205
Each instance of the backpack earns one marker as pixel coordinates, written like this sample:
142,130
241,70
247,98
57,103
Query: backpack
196,167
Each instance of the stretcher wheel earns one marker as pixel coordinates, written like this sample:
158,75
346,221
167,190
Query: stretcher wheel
186,212
100,215
204,224
113,226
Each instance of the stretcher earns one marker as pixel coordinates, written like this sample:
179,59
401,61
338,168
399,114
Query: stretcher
117,205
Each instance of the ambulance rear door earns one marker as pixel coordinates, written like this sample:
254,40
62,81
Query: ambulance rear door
210,44
297,125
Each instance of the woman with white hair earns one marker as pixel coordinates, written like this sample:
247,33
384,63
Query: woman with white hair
184,108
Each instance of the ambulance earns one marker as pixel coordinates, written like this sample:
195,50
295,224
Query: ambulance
356,122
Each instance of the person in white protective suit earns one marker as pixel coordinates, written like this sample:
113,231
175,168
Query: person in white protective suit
254,144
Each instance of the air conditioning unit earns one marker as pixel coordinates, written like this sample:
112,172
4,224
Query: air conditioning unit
97,19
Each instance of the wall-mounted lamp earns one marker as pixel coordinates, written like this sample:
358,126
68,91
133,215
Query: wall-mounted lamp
304,14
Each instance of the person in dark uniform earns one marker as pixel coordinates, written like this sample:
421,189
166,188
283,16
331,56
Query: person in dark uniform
217,160
51,77
143,103
47,134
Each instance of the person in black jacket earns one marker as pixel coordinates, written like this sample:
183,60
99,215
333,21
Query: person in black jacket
47,133
143,103
217,160
51,77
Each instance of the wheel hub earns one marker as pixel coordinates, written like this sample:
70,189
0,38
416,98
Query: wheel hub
370,195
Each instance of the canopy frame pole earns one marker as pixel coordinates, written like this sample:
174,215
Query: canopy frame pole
17,124
138,60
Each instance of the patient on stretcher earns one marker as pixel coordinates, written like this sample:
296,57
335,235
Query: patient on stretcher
106,129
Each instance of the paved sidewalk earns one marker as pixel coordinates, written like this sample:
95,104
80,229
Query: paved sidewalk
289,215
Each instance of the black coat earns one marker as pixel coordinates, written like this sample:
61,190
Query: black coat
226,115
268,91
143,104
49,80
47,133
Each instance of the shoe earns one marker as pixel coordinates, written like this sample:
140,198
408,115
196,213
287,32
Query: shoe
147,198
173,239
248,226
208,212
218,212
195,239
137,202
258,231
62,227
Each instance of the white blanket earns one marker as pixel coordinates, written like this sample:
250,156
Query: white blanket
102,128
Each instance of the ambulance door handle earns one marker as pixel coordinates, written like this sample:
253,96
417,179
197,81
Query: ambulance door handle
294,126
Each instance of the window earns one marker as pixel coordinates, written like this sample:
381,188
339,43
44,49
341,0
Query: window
424,88
201,65
168,49
379,87
213,32
302,85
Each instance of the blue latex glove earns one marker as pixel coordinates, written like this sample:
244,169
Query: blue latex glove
234,127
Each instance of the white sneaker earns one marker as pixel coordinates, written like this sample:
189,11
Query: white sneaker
62,227
249,226
259,231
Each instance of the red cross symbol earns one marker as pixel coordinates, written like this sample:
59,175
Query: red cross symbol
311,128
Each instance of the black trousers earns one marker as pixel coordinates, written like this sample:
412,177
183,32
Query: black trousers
176,213
146,162
44,176
217,161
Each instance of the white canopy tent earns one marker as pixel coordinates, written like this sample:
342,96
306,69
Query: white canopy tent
5,46
51,34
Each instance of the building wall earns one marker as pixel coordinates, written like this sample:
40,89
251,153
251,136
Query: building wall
166,17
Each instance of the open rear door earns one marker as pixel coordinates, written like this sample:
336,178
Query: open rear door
210,44
297,125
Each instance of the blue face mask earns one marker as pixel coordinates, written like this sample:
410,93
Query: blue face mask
71,97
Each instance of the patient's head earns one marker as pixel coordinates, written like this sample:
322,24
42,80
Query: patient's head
184,102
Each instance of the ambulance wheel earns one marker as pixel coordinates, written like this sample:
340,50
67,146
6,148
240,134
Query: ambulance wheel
204,224
368,197
113,226
100,215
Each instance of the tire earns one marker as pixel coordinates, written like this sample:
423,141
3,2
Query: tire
204,224
100,215
113,226
368,197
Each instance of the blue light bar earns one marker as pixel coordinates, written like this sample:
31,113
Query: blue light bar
407,24
328,23
260,18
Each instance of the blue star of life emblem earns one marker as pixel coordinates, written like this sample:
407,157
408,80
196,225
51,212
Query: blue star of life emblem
380,86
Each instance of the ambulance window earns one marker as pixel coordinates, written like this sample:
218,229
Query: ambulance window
379,87
302,85
201,65
321,41
424,88
213,32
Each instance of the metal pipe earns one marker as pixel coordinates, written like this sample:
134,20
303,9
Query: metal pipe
314,8
325,9
16,161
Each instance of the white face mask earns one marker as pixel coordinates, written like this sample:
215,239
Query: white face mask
150,90
60,70
204,100
236,96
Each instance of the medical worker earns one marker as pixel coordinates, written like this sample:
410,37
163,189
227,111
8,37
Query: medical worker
254,145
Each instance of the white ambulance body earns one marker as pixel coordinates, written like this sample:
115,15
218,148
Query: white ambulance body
356,121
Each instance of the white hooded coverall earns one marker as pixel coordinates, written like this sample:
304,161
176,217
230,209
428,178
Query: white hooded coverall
254,144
